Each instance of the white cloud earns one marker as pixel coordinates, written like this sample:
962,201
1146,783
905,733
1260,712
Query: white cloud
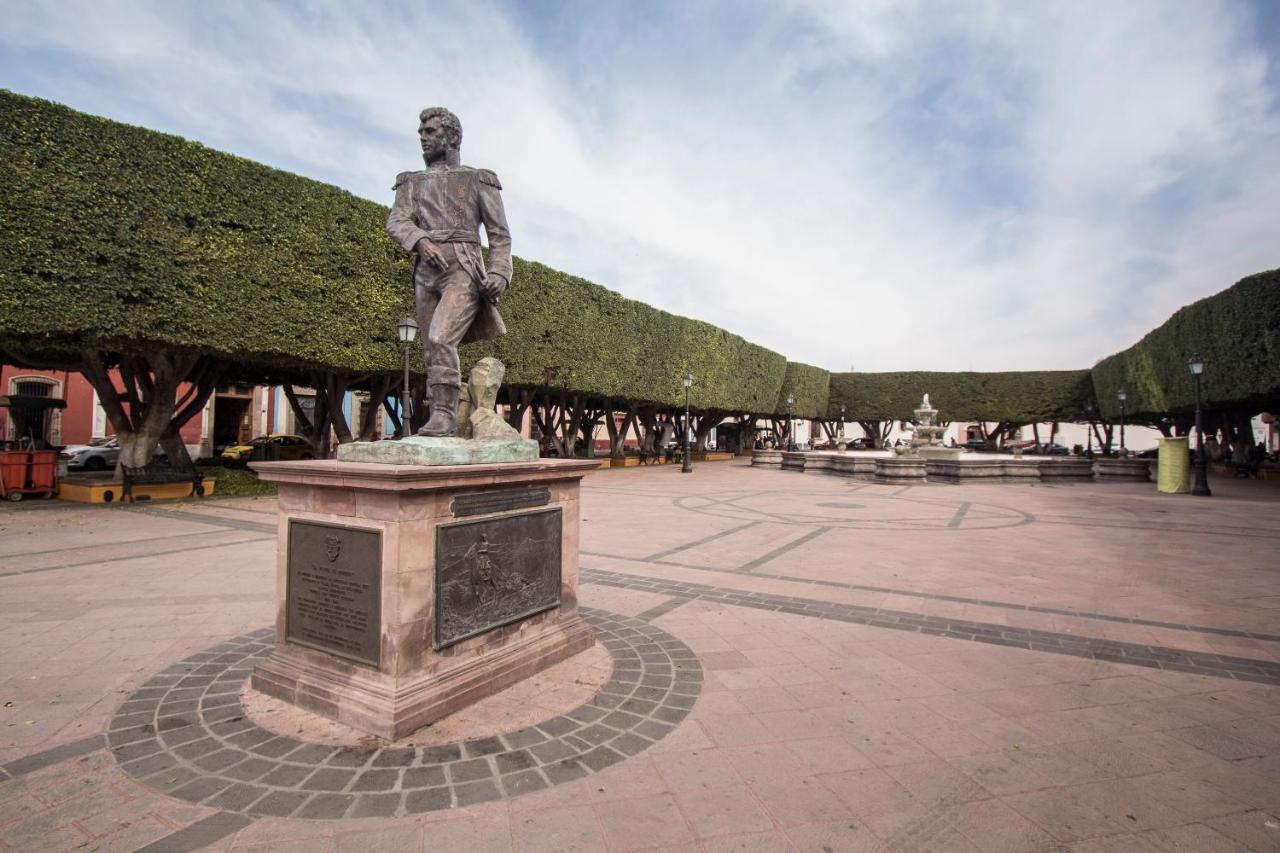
893,185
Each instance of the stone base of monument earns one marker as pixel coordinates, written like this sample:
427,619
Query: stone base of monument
406,592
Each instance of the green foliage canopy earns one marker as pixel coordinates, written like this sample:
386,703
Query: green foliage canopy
1237,332
115,237
1019,397
590,340
809,385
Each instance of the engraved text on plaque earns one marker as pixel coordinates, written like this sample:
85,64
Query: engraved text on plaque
335,589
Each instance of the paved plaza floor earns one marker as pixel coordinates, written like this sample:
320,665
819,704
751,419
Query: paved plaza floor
785,662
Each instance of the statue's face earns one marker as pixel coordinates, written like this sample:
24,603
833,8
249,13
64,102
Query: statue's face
435,137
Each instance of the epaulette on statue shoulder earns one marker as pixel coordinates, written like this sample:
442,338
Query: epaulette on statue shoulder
404,176
489,178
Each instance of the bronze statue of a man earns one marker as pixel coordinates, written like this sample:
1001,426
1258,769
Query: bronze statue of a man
437,215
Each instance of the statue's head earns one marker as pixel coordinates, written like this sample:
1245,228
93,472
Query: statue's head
440,132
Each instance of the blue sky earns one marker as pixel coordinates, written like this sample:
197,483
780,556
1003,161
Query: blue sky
882,185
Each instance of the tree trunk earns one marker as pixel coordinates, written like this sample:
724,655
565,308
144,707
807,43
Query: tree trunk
1102,432
394,415
316,429
705,424
996,434
618,434
380,387
148,411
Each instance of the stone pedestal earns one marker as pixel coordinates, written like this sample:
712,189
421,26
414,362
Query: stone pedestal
405,592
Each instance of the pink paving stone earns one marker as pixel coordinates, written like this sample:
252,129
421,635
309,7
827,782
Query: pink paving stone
807,718
637,824
715,812
567,830
697,770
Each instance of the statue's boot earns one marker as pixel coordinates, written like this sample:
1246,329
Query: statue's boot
444,411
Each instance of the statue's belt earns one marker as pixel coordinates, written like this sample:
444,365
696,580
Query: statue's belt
459,235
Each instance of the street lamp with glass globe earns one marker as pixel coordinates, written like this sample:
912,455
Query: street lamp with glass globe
406,330
687,465
1122,395
1201,487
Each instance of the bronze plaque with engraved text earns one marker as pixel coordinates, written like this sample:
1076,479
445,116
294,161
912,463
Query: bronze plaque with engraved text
335,590
495,571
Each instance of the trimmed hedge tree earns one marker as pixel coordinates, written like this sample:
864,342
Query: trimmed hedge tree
1018,398
570,334
125,248
1237,332
809,385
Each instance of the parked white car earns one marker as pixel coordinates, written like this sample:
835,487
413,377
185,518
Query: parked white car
91,457
95,457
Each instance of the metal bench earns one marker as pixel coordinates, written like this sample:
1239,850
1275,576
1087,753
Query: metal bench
155,473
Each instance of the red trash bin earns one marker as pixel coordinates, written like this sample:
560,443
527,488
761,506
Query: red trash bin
44,470
13,471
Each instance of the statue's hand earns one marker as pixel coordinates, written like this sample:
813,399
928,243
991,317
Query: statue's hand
431,253
493,286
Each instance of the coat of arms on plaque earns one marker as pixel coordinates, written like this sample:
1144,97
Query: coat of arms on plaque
332,547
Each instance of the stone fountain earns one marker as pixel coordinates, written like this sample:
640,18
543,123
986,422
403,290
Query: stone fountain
926,440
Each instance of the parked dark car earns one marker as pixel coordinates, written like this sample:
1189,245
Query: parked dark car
977,444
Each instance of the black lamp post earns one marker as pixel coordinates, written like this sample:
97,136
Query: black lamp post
791,427
687,465
840,441
407,330
1088,411
1201,487
1122,395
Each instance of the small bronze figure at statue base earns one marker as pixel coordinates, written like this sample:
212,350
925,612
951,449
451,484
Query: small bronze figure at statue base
480,433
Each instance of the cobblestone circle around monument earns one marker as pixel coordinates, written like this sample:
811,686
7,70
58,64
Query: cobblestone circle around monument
185,733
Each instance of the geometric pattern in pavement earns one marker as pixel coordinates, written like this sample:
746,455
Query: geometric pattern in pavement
864,510
1095,648
184,733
